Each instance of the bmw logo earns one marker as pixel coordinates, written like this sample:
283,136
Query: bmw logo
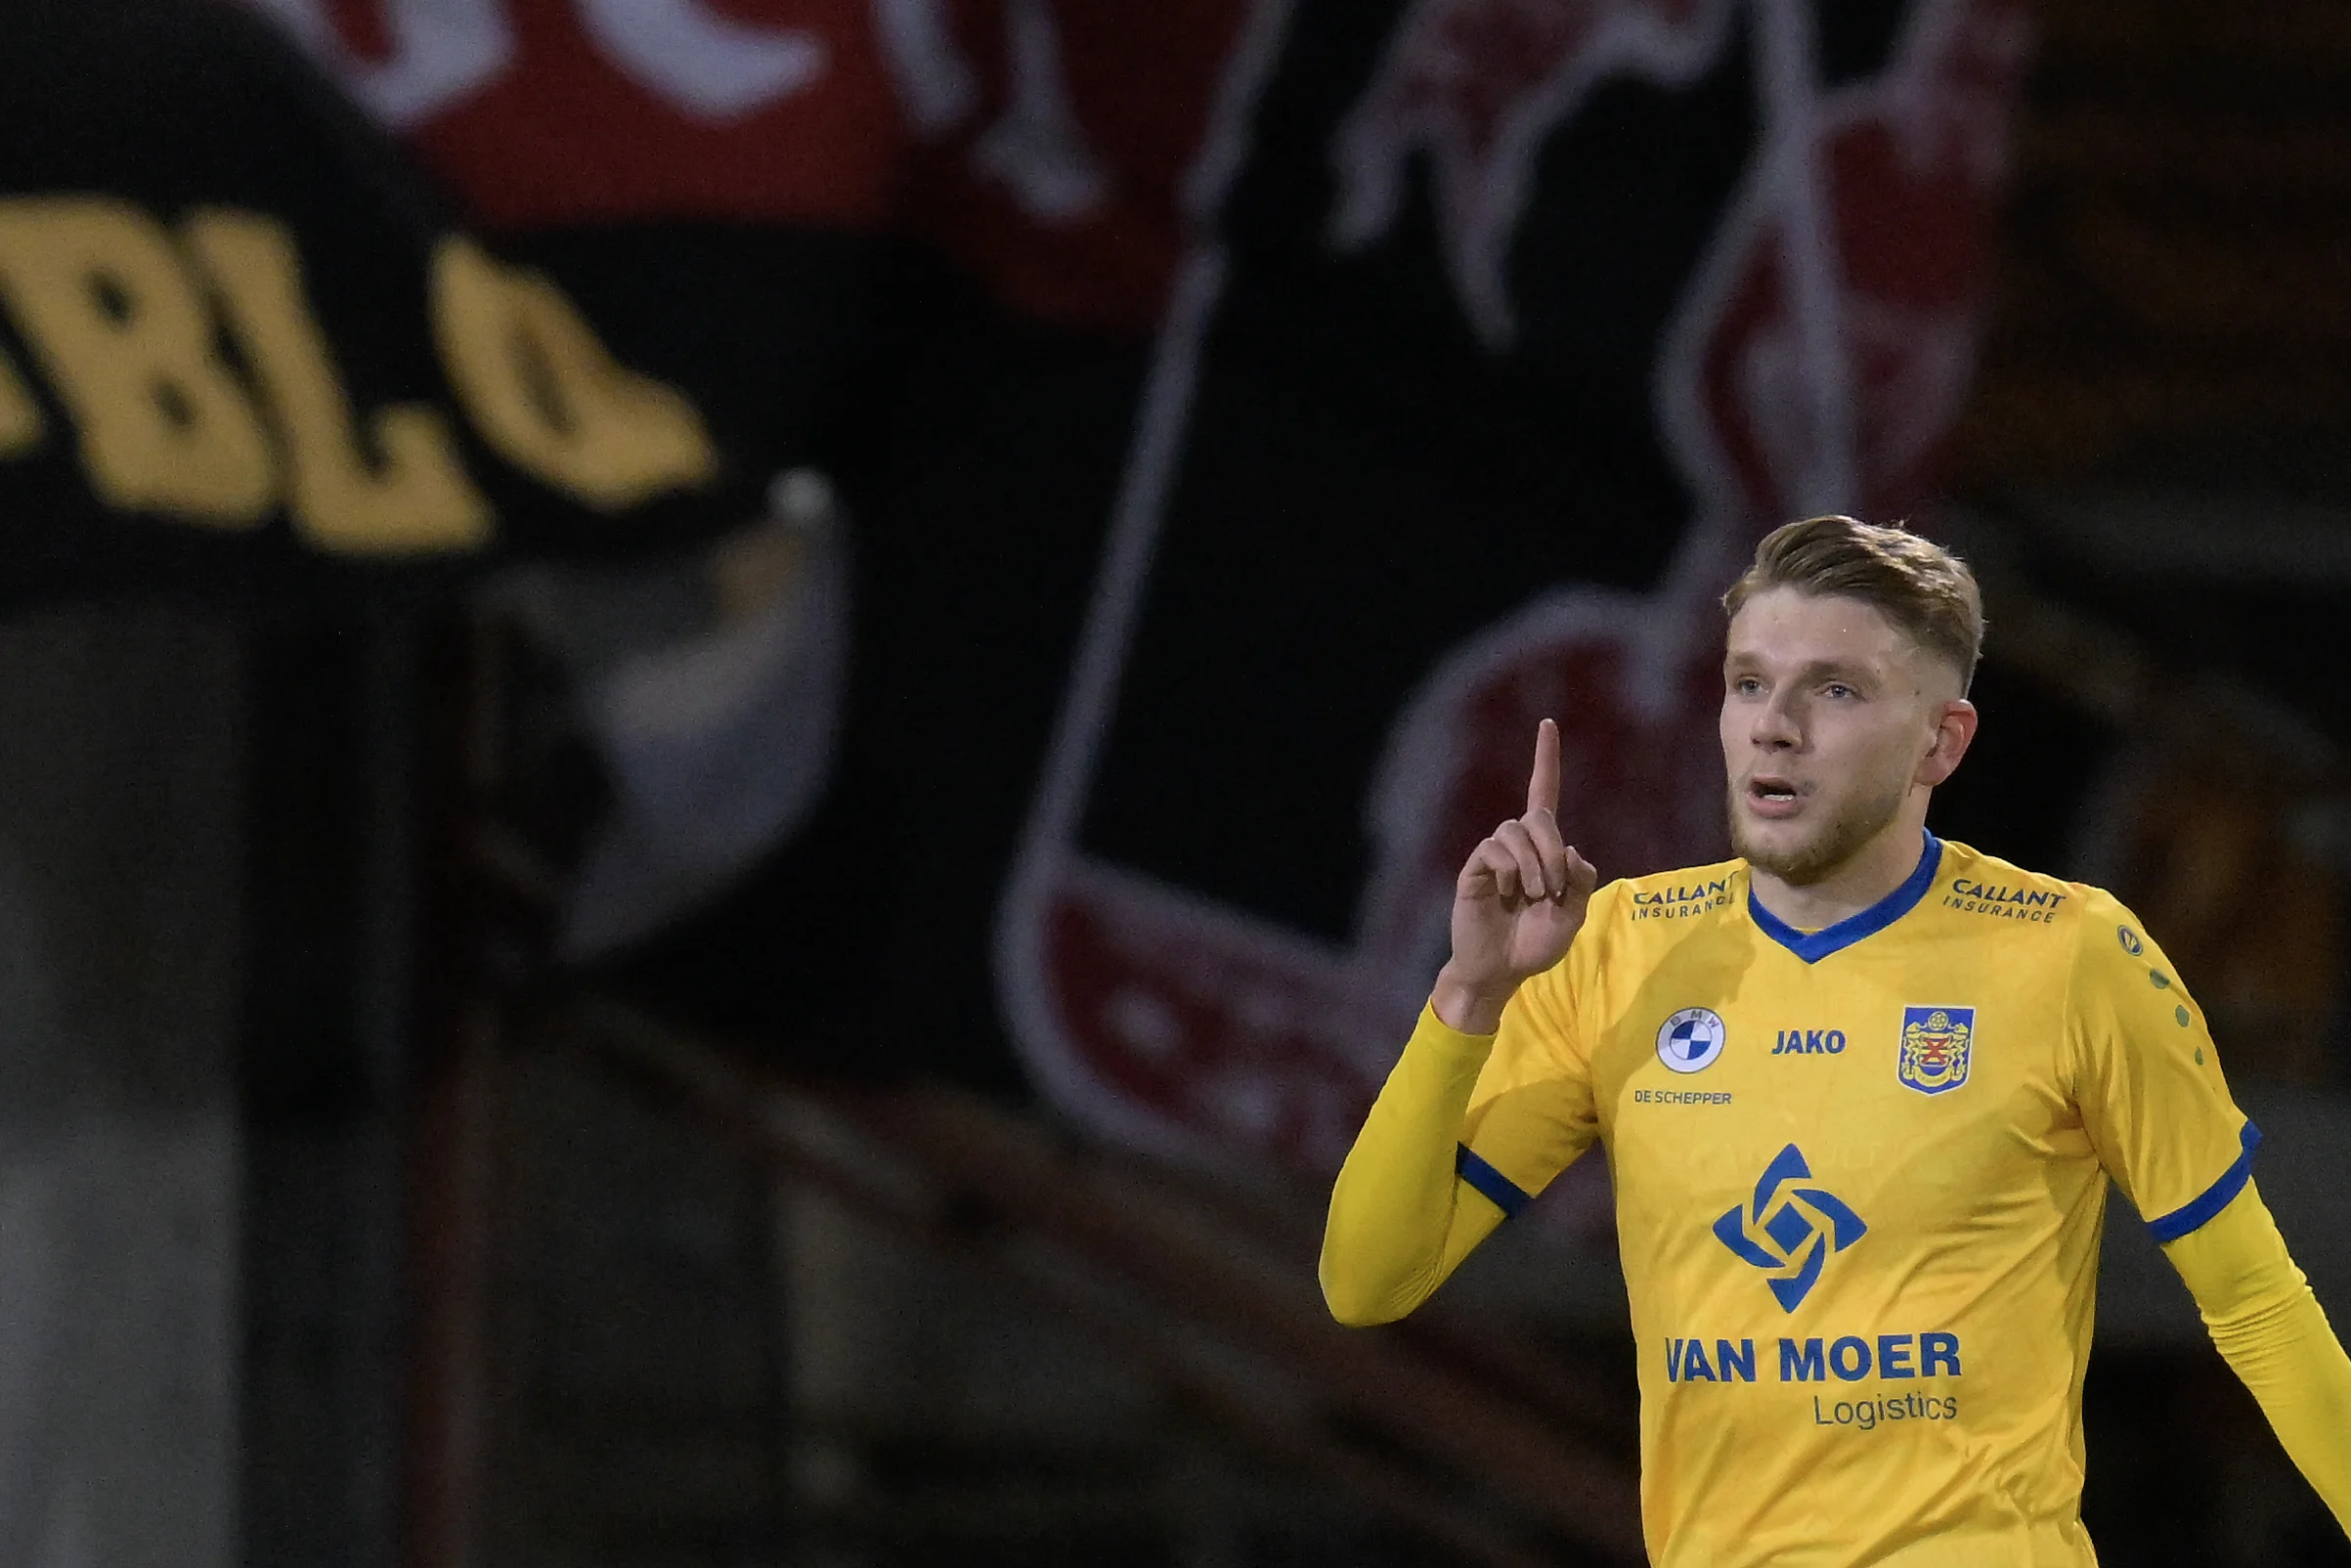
1691,1039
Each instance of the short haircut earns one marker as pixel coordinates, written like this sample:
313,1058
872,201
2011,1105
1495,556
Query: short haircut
1916,584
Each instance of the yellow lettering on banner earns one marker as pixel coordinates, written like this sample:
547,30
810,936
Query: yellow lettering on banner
19,415
549,396
418,498
107,307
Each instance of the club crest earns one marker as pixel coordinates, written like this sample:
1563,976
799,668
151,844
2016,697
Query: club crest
1937,1043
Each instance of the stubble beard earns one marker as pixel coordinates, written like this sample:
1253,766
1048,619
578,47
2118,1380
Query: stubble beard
1832,844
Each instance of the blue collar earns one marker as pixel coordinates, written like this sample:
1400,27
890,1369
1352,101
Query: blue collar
1814,945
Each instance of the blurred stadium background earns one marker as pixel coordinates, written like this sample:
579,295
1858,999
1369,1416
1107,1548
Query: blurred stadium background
733,729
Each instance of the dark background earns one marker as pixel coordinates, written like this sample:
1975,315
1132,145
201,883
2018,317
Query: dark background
344,1220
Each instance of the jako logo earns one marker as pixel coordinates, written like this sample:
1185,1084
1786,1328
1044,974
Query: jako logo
1798,1235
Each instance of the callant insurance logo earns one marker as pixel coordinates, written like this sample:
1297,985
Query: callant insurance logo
1790,1236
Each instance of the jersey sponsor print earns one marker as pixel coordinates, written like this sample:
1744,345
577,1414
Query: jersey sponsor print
1691,1039
1804,1226
1861,1277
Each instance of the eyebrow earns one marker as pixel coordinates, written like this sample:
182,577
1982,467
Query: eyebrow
1817,670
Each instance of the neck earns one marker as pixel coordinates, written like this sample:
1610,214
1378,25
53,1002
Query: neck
1868,875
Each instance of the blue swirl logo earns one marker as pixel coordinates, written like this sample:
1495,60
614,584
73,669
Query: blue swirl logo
1789,1236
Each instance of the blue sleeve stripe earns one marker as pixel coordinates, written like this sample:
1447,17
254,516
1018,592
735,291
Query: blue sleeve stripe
1506,1194
2215,1198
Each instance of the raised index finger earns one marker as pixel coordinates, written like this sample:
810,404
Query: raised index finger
1543,786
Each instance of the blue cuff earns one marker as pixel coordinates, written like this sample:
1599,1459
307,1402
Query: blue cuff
1506,1194
2213,1199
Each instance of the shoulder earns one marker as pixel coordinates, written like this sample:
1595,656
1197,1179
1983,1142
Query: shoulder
2093,930
1972,882
1627,915
1689,894
1656,903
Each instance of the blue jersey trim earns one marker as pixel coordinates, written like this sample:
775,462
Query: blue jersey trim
1506,1194
2215,1198
1814,945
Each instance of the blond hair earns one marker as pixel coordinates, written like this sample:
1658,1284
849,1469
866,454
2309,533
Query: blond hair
1923,589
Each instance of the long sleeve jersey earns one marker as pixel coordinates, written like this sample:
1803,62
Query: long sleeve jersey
1861,1178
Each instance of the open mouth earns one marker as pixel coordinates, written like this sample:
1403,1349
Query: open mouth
1771,791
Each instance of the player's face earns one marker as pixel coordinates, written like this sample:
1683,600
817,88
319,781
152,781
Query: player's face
1830,721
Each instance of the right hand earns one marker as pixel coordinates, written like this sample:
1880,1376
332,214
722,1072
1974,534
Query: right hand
1516,905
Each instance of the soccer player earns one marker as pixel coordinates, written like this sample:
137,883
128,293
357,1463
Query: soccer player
1860,1090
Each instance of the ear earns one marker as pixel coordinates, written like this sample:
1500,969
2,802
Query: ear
1954,729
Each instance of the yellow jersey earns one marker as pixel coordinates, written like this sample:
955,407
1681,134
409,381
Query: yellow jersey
1860,1176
